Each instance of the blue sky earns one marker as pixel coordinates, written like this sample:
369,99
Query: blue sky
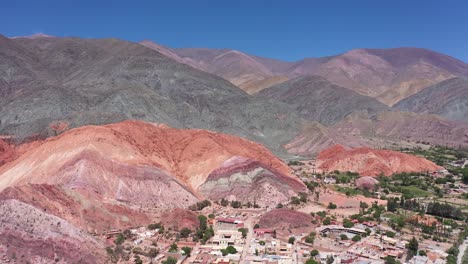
287,30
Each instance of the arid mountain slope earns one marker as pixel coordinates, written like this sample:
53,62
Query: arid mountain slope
316,99
120,167
241,69
387,129
389,75
371,162
448,98
386,74
99,81
31,235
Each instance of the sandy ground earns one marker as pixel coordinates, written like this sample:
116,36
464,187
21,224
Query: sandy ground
346,205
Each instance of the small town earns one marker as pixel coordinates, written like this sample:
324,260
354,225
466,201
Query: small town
343,219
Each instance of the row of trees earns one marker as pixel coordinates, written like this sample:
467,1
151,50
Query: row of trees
238,204
434,208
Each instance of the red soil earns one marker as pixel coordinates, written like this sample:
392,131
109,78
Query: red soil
371,162
331,152
179,218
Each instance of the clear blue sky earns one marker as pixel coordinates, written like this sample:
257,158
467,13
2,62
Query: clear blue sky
288,30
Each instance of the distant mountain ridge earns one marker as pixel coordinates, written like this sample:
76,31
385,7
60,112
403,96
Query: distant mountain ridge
311,96
388,75
99,81
448,98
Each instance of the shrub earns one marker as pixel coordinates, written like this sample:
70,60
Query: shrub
185,232
187,251
347,223
120,239
173,248
236,204
170,260
314,253
154,226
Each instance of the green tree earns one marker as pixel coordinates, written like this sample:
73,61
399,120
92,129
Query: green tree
311,261
154,226
119,239
331,205
327,221
465,175
390,260
303,197
202,219
363,206
224,202
343,237
187,251
138,260
413,246
291,240
185,232
347,223
170,260
295,200
229,250
153,252
356,238
244,232
236,204
314,253
309,239
173,248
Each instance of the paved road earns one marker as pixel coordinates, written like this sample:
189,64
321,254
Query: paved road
249,225
462,249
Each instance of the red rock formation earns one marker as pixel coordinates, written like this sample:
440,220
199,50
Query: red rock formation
372,162
248,180
284,218
331,152
108,173
178,219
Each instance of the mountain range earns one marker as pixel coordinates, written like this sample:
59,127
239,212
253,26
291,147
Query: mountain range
447,98
99,81
103,134
389,75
